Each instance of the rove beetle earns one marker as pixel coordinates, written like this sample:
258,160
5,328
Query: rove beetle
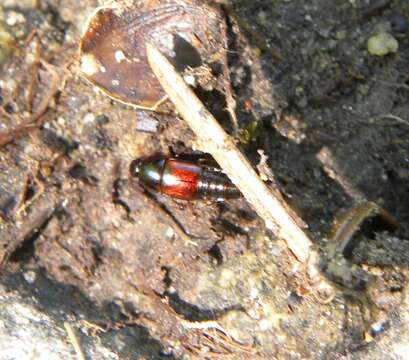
182,179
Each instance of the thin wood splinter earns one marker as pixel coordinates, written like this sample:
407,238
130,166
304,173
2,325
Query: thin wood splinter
211,137
74,341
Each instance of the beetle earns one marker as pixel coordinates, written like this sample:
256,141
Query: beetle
182,179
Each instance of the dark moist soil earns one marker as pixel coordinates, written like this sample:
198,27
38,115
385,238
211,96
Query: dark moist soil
202,279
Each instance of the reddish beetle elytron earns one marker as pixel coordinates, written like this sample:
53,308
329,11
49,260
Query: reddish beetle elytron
182,179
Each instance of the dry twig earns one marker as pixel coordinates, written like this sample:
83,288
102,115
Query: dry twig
393,117
213,139
23,204
74,341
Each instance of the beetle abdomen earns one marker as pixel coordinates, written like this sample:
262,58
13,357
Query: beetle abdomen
215,184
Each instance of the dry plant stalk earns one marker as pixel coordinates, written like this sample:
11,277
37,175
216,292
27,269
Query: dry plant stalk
74,341
213,139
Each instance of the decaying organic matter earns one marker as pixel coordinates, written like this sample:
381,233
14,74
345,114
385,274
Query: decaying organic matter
154,277
112,51
342,240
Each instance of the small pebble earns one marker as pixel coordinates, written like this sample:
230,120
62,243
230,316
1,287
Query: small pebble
170,233
30,276
14,18
190,80
147,124
102,119
378,328
61,121
89,118
382,44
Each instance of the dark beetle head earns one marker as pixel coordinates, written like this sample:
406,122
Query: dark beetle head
148,171
135,167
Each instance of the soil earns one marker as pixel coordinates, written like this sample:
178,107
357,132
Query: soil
204,279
